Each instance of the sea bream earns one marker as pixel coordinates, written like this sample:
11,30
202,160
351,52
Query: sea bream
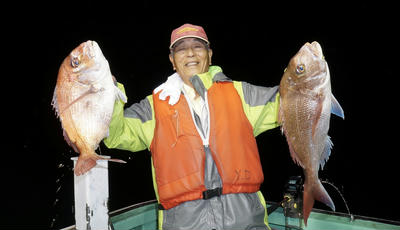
84,99
305,106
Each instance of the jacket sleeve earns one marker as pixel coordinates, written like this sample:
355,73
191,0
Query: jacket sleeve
133,128
260,104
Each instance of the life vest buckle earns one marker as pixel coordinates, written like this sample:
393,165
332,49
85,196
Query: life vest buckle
208,194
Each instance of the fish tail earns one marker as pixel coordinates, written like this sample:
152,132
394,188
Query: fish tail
314,192
88,161
85,163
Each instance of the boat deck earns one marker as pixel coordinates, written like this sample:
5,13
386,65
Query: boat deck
144,216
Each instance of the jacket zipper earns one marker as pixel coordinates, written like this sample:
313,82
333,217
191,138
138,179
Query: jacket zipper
205,138
176,116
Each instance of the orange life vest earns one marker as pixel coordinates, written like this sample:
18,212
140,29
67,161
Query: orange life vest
178,150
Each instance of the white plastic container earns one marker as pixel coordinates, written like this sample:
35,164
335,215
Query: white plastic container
91,197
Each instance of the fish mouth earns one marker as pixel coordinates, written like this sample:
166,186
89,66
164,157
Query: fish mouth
315,49
91,47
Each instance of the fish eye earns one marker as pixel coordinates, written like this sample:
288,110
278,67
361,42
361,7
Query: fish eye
75,62
300,68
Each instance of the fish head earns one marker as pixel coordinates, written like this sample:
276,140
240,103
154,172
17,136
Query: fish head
85,60
87,55
307,69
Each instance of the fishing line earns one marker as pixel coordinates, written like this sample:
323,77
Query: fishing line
341,195
62,169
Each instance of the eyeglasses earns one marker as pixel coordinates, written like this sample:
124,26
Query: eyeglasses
184,47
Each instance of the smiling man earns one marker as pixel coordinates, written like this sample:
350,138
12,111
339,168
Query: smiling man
200,127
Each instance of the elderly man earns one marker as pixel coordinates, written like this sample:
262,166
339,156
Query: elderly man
200,127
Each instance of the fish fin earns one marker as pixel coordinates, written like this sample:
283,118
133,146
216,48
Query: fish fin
54,102
308,203
85,163
280,119
327,152
120,95
314,192
115,160
88,161
294,155
69,142
89,91
336,108
114,80
280,113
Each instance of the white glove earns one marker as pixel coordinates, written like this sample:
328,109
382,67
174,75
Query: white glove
172,88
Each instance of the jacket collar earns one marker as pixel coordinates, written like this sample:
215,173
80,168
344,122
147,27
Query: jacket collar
204,81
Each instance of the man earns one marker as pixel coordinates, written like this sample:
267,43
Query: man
200,127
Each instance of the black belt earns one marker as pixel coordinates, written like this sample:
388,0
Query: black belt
208,194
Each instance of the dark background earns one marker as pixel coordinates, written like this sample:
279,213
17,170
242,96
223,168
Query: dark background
251,42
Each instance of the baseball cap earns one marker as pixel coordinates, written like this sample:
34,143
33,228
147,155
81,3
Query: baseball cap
188,31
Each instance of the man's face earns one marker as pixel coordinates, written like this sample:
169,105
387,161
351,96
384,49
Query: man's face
190,56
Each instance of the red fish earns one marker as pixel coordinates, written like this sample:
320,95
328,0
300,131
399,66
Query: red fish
84,99
305,107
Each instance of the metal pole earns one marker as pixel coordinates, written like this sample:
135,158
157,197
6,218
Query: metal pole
91,197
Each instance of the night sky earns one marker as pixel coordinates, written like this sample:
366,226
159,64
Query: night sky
251,42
